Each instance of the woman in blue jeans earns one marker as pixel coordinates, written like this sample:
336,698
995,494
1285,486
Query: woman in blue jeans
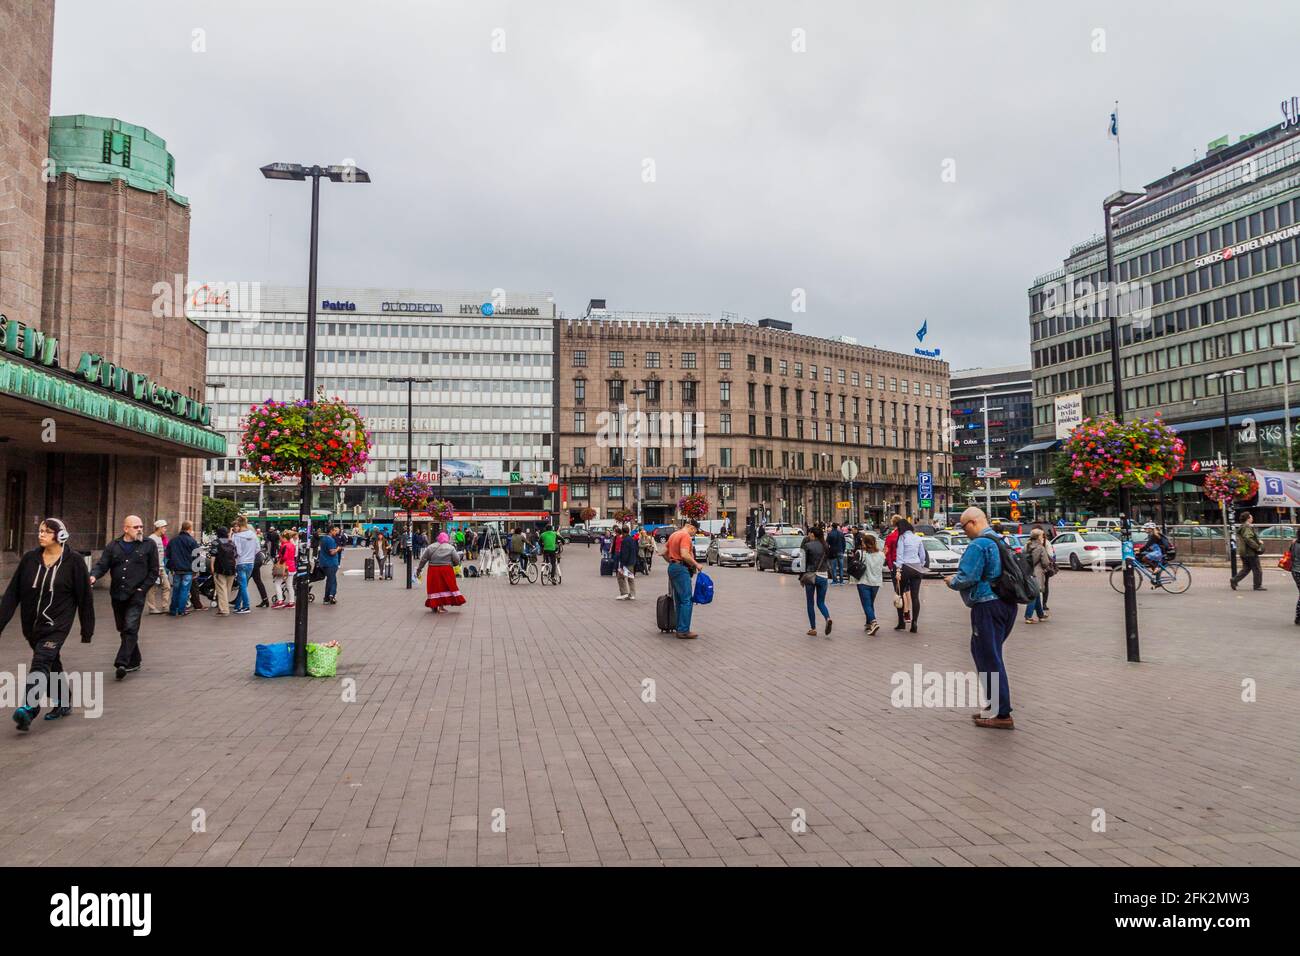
872,577
815,579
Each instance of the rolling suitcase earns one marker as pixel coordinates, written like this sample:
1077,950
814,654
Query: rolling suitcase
370,569
606,565
666,613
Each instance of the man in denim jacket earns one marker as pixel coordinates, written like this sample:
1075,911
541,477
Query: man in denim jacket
991,617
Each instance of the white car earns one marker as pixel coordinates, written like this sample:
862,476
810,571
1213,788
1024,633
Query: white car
942,559
700,545
724,551
956,542
1087,549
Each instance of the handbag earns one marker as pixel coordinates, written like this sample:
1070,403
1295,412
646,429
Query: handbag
808,578
1285,561
278,570
857,567
898,602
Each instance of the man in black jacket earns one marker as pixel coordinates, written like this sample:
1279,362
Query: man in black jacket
133,567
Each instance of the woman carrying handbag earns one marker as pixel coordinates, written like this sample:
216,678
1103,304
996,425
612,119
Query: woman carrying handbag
815,579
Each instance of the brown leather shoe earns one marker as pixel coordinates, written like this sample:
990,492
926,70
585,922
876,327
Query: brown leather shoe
998,723
687,635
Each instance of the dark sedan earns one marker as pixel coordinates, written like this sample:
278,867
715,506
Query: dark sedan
778,552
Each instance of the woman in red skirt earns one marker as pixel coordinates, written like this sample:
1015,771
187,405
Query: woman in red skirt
440,586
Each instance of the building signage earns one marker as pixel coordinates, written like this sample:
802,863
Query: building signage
338,306
487,308
927,353
1278,489
1250,245
1069,413
28,343
429,307
1290,112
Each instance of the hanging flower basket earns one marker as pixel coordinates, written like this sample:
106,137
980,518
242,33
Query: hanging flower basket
624,516
694,506
440,509
586,514
327,435
408,493
1105,455
1225,485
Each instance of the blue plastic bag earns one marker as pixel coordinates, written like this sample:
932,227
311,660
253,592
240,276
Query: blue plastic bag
274,660
703,589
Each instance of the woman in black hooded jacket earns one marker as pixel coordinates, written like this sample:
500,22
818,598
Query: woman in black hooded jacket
51,586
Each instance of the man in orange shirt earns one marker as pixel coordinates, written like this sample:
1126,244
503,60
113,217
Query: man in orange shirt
680,555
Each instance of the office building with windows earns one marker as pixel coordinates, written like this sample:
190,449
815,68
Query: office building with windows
483,420
1007,392
755,416
1209,259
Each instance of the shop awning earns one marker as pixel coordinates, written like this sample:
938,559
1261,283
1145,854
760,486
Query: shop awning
1039,446
1276,415
1042,491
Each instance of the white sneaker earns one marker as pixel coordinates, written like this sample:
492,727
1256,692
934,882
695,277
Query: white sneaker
631,597
621,597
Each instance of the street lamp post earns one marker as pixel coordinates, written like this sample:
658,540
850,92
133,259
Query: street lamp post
302,577
1113,201
410,382
1285,348
988,480
638,392
212,473
1227,441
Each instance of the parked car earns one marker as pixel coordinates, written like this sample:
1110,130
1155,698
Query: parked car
1104,524
941,559
1082,549
729,551
779,552
1284,532
954,541
1007,526
700,545
577,535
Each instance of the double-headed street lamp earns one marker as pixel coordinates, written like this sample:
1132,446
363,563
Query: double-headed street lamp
410,381
637,393
1114,201
302,577
1227,443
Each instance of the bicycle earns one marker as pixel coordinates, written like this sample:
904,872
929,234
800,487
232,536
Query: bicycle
530,574
548,576
1172,576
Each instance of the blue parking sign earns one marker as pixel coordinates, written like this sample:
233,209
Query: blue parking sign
925,489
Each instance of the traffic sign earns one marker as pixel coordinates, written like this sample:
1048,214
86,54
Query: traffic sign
844,505
925,489
1014,483
1015,513
988,472
849,469
1013,495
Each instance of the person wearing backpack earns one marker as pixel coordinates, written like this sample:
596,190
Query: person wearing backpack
1040,564
991,616
866,568
225,561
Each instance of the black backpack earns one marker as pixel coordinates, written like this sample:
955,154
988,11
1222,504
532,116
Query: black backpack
1016,583
857,567
226,557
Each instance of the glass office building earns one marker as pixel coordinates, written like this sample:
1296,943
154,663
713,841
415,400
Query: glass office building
1207,263
1008,392
488,399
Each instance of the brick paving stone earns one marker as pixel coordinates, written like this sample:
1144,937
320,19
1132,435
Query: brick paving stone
528,700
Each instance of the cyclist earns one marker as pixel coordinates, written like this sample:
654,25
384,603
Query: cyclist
550,542
1151,552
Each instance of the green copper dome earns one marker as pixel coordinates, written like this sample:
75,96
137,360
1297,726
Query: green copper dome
103,149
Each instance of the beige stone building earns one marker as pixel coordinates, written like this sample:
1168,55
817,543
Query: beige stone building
758,418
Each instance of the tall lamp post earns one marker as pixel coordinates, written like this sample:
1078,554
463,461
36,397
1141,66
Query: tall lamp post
1285,348
1114,201
1227,442
212,472
440,445
988,479
410,382
637,393
302,577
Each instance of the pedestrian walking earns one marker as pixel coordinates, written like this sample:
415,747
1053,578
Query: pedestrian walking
245,542
286,566
272,541
180,565
441,590
1294,553
331,556
225,568
679,552
1040,563
382,551
909,569
51,586
835,545
991,617
1250,548
132,566
871,561
816,578
159,598
259,561
626,554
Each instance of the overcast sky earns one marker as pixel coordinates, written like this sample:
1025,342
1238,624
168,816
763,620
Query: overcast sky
774,170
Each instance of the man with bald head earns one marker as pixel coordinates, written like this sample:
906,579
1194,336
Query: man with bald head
991,618
132,566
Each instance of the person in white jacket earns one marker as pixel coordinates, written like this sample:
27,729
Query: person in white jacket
246,548
872,561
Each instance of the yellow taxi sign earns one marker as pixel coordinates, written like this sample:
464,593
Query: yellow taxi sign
844,505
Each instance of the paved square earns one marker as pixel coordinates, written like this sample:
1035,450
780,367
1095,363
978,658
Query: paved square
525,709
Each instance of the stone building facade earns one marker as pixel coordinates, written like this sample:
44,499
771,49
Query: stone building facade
758,419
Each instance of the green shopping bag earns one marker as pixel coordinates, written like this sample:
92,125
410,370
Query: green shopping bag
322,660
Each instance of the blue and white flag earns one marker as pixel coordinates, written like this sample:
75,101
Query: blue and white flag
1114,124
921,332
